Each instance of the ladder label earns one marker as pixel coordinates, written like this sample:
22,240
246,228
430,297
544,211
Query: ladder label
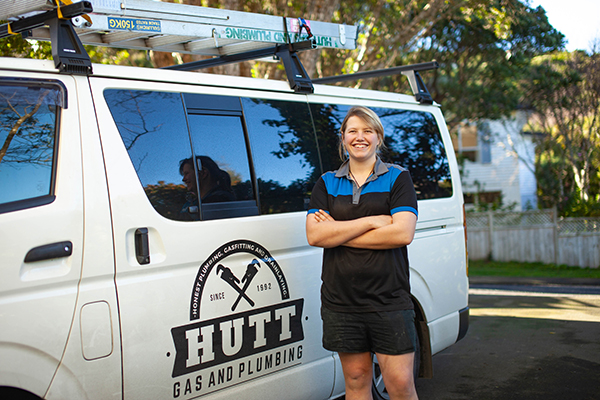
274,36
248,34
130,24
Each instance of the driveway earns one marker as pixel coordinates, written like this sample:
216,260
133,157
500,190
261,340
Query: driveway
532,340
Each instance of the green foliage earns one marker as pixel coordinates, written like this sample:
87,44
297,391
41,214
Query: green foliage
16,46
563,90
579,207
484,49
113,56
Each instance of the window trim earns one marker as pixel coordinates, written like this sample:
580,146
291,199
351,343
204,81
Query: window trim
27,203
229,209
30,82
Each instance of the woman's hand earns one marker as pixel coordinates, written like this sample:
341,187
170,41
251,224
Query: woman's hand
375,221
322,216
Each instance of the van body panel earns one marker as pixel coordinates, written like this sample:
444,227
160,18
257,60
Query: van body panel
444,331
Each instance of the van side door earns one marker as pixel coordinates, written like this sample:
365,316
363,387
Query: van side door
218,290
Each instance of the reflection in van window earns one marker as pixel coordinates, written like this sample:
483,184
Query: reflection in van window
285,154
28,119
412,138
154,131
224,173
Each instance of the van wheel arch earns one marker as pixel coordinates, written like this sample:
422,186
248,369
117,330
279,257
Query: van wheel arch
11,393
425,356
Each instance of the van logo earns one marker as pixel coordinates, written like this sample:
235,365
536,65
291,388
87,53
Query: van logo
240,309
233,281
260,256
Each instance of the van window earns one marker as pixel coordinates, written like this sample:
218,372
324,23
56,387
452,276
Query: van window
29,115
286,157
189,152
154,131
219,143
412,138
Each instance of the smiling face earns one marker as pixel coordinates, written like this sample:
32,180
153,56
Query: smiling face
360,140
355,134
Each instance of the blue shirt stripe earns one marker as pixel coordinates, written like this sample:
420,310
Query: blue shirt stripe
404,208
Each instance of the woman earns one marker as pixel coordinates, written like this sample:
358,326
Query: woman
363,215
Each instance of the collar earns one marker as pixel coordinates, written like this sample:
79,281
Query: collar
379,169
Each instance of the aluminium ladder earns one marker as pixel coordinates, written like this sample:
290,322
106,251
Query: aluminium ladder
170,27
228,36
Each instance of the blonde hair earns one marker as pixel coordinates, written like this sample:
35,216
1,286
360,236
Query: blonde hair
370,118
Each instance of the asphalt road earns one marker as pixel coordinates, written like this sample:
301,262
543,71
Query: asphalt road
524,342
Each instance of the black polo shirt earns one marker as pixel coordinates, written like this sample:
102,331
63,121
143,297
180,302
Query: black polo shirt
363,280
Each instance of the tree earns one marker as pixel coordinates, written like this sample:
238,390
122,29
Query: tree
16,46
483,48
564,94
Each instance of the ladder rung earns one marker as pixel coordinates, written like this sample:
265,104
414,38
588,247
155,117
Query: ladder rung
163,40
118,38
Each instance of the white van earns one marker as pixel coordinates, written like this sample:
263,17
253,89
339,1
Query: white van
116,283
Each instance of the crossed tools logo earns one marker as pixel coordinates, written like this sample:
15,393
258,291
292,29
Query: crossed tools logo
243,323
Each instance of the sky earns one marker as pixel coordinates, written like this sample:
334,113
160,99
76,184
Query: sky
578,20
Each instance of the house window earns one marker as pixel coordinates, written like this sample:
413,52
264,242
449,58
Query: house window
473,142
483,198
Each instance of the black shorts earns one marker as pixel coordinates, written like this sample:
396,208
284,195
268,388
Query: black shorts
388,332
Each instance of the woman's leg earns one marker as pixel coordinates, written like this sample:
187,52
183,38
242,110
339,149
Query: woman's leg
358,374
398,377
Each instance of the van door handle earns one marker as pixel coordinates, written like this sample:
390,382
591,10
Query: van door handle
49,251
142,248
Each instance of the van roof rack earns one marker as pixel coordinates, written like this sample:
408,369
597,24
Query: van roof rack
154,25
417,85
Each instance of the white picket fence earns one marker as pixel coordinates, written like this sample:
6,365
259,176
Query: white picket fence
534,236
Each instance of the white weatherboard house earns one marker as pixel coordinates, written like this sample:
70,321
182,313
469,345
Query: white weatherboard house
499,162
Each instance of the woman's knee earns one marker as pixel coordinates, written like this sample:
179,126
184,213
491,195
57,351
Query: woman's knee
397,374
357,368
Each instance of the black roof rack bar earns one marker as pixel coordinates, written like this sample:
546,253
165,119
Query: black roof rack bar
245,56
68,53
296,74
378,72
410,71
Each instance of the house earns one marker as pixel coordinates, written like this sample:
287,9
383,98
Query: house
498,165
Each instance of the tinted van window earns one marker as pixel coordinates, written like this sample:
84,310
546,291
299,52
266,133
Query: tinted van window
412,138
29,115
224,176
154,131
189,152
285,153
